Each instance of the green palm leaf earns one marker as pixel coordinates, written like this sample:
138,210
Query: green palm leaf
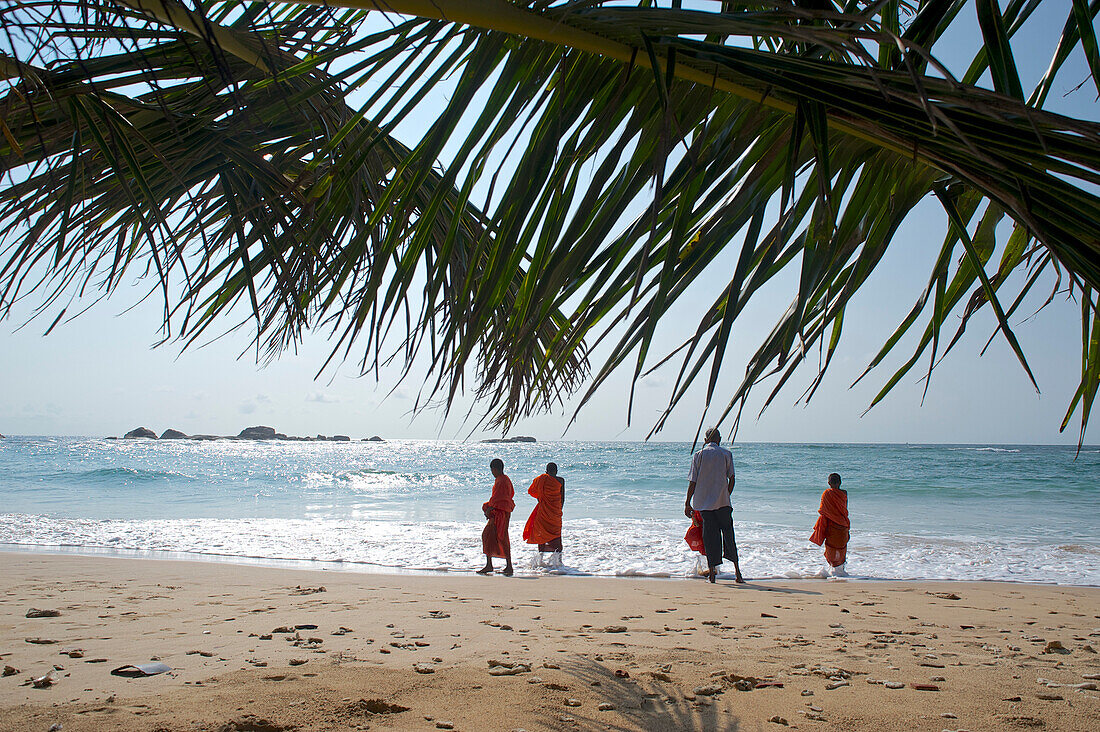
586,163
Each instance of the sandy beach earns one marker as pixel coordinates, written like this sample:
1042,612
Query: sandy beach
265,649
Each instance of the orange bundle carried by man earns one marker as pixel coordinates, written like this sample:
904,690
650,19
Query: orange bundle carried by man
832,525
544,525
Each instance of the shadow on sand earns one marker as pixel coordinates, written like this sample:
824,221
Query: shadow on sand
641,704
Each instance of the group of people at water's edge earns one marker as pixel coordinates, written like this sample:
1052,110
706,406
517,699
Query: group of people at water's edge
710,487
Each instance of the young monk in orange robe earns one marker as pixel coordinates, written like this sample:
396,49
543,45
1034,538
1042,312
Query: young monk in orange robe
544,525
832,524
498,509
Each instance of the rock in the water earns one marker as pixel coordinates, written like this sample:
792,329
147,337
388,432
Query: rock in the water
341,438
517,438
257,433
141,432
376,438
173,435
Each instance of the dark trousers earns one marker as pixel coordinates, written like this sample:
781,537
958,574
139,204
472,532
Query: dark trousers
718,540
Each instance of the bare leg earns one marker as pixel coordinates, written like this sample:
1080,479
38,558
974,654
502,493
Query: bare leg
488,568
507,572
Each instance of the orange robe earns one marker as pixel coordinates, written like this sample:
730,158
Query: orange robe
832,526
544,525
494,538
694,535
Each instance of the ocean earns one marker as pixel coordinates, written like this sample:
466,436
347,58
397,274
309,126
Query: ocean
918,512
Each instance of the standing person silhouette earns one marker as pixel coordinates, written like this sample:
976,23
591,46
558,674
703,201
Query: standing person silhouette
832,525
544,525
498,509
710,484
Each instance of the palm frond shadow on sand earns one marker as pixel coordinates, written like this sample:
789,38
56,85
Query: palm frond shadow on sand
641,703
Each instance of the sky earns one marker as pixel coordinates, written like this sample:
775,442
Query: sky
101,375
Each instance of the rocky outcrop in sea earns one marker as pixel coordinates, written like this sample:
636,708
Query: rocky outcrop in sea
517,438
257,433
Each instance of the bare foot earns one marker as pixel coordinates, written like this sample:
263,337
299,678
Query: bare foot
712,575
485,570
739,580
507,572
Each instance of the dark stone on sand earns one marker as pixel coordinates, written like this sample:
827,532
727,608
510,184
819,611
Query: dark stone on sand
341,438
257,433
171,434
37,613
517,438
142,432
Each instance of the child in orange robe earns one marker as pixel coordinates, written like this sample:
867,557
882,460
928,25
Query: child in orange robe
498,509
832,524
544,525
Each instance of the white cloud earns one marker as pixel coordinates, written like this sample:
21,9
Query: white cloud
321,398
246,407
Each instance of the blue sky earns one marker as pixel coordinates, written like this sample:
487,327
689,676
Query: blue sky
99,375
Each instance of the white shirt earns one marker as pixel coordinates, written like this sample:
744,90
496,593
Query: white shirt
711,470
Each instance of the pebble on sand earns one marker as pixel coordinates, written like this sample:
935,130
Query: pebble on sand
708,690
36,613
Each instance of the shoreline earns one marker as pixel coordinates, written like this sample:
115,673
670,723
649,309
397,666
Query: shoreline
394,651
368,568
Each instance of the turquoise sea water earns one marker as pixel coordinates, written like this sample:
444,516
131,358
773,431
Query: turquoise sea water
1026,513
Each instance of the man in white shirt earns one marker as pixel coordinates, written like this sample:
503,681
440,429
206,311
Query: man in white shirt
710,485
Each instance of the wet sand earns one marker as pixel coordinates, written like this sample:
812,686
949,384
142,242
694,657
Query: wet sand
547,653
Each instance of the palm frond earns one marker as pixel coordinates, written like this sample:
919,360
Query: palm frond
586,164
